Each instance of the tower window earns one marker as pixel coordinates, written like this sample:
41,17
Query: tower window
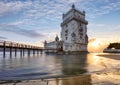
80,36
65,34
66,31
80,30
80,24
66,25
66,38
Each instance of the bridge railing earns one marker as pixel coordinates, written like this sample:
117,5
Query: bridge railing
19,45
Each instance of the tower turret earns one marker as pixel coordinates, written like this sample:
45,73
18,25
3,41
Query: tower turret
56,38
73,6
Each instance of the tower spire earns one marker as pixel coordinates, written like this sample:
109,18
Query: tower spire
73,6
56,38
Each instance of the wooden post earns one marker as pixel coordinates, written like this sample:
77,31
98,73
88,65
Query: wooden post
37,51
4,48
21,52
23,49
28,52
11,49
16,47
33,51
41,51
15,51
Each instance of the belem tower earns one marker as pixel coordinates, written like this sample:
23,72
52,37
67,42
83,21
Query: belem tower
73,34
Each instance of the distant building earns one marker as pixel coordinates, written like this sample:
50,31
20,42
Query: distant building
74,32
53,46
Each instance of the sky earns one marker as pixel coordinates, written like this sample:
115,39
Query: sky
34,21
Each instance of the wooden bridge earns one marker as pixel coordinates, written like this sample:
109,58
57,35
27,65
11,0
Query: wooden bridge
8,46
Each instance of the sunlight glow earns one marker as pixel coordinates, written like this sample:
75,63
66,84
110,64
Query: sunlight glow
96,43
93,59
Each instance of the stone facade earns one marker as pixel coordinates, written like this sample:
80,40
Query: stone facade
74,31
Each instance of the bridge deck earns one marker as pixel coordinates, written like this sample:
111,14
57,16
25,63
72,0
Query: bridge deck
21,46
7,44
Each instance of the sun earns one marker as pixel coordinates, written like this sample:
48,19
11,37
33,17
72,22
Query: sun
95,43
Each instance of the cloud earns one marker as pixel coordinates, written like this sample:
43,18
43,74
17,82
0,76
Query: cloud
49,8
109,8
107,32
92,40
1,37
95,8
40,9
12,7
21,22
54,8
14,29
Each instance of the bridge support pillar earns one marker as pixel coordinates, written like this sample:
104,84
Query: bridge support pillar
28,52
33,51
10,51
41,51
15,52
37,52
4,49
21,52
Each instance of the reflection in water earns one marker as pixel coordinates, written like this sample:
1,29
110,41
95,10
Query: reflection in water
106,78
43,66
99,62
80,80
94,63
74,64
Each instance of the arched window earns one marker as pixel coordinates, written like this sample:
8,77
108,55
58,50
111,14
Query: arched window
66,31
80,30
66,38
73,36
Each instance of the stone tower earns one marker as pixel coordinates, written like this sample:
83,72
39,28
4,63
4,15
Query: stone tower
74,31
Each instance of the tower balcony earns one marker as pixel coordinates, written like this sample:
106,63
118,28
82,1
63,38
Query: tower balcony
74,18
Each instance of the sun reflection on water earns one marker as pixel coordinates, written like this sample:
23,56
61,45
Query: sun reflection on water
99,62
93,59
93,63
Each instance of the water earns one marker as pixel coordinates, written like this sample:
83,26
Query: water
49,65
